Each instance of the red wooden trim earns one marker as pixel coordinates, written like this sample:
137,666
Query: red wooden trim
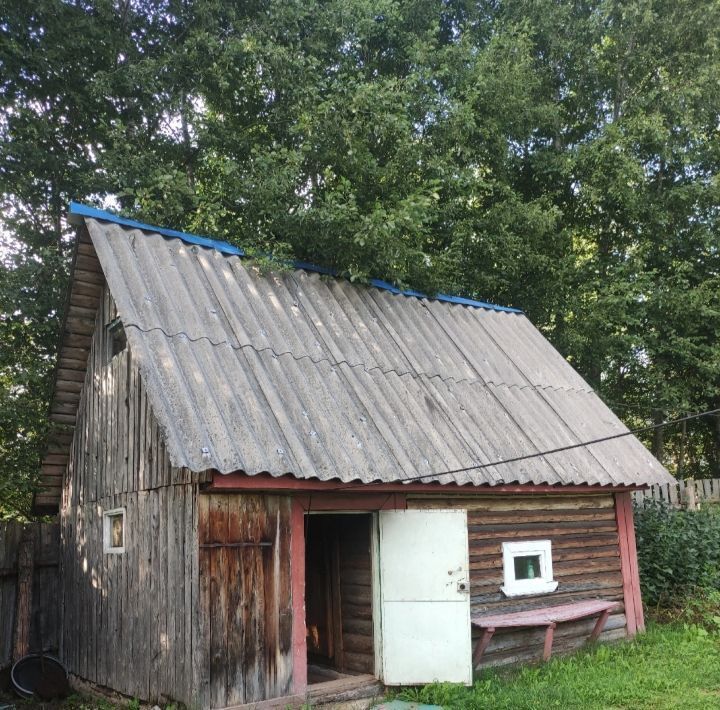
547,646
239,481
628,563
297,581
481,646
599,625
634,566
352,502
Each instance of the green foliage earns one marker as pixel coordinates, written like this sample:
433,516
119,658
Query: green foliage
668,667
700,608
678,553
557,156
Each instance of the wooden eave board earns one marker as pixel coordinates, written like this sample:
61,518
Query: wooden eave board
86,287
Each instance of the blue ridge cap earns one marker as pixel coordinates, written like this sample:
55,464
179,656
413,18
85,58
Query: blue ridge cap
75,210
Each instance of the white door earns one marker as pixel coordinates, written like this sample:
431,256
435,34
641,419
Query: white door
424,596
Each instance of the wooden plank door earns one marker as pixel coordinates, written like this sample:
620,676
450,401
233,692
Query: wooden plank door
424,596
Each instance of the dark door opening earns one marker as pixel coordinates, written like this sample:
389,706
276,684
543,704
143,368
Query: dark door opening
338,596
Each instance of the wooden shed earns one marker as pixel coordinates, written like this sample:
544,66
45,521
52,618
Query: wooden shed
280,485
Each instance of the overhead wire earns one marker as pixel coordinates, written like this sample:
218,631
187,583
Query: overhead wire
549,452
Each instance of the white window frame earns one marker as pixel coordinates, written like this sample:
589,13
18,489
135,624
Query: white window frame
108,515
544,584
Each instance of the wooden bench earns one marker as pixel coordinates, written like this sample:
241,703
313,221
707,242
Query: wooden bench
549,617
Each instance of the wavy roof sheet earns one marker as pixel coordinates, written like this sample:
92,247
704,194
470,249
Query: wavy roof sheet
295,372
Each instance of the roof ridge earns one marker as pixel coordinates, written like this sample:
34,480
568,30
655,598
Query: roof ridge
77,211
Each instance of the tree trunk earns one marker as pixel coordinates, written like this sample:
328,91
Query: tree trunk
23,602
658,443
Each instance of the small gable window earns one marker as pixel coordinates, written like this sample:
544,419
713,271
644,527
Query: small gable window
114,530
118,341
527,568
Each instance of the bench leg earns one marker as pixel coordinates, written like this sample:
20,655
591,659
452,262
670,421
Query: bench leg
481,645
547,649
599,626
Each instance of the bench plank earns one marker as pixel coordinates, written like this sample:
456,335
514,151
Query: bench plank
549,617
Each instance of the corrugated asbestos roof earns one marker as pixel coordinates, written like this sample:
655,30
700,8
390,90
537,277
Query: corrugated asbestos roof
295,372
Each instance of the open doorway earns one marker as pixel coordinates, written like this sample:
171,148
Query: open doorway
338,596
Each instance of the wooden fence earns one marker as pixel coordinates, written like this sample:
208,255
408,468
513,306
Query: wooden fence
688,493
29,589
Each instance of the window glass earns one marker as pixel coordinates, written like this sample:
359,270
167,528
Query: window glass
527,567
116,530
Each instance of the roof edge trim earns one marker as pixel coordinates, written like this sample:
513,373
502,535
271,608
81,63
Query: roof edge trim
77,212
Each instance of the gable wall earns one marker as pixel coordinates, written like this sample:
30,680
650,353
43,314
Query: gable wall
129,620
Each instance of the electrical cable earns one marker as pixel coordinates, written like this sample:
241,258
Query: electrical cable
559,449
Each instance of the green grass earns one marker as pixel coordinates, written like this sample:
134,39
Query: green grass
668,667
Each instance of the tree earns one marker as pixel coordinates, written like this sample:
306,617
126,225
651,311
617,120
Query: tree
560,157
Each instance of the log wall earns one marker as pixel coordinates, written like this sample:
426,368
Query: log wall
586,563
356,595
130,619
245,598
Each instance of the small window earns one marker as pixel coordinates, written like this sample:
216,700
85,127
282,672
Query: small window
118,340
114,530
527,568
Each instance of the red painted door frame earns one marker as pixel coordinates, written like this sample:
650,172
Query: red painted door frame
301,506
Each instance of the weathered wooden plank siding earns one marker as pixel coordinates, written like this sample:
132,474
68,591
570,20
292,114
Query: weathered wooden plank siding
586,563
44,622
126,615
130,619
245,598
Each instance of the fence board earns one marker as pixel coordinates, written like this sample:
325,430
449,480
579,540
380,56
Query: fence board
677,494
44,615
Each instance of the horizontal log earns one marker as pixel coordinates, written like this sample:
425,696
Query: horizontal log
356,643
67,397
63,408
534,654
519,530
495,561
88,289
68,385
594,539
76,340
508,639
56,459
590,565
352,625
63,419
86,248
89,277
67,363
83,300
87,262
362,577
357,596
79,326
499,603
514,502
359,662
540,516
79,354
492,597
77,310
357,611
